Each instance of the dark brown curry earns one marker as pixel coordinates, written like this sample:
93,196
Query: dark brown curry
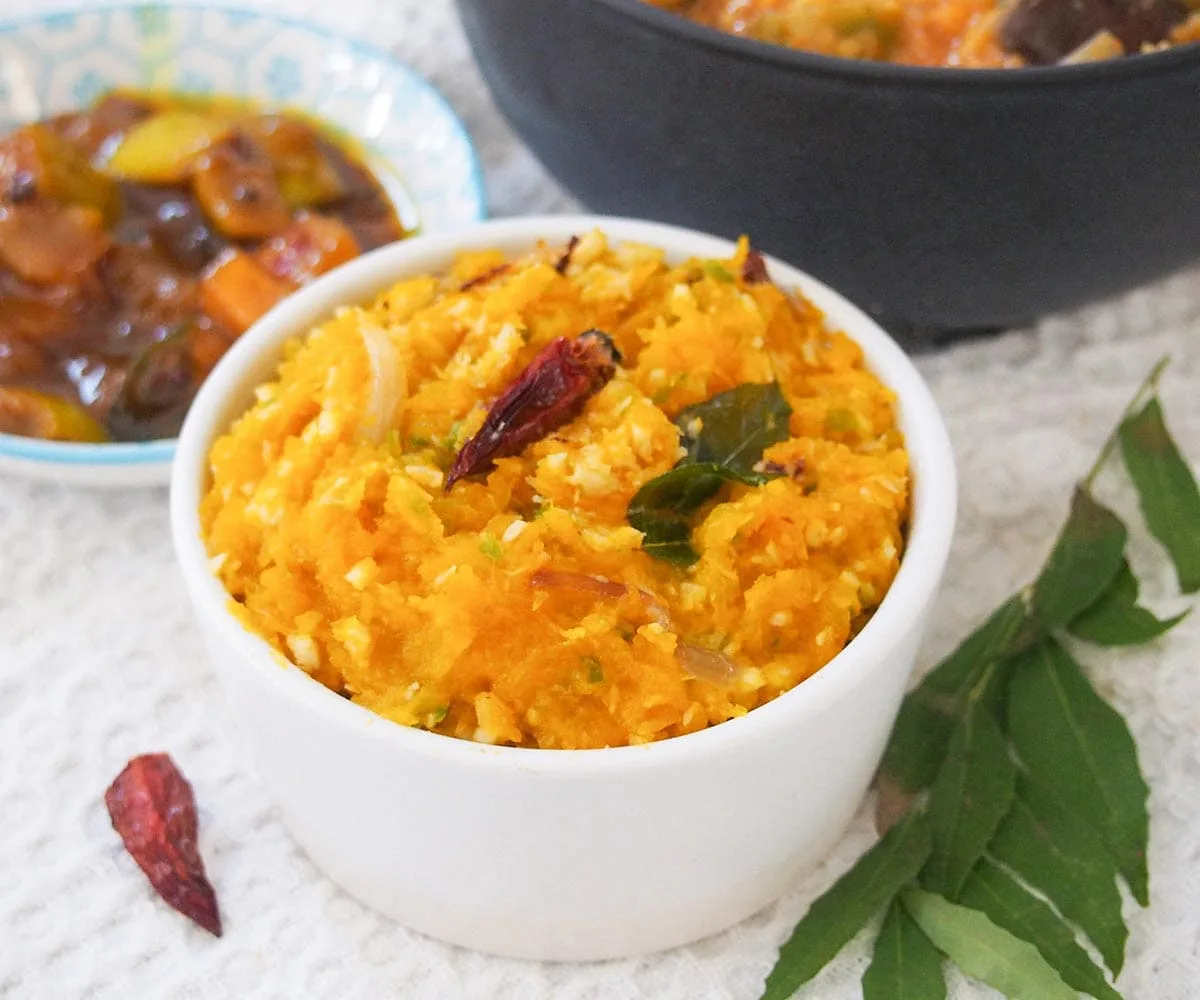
140,238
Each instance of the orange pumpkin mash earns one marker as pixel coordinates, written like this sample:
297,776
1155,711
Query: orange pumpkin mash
462,612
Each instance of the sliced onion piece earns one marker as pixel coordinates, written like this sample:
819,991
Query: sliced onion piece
388,382
553,579
705,664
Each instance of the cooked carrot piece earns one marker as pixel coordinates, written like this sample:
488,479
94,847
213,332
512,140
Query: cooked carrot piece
236,291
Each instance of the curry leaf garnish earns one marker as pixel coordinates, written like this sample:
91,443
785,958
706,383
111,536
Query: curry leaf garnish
970,796
1020,868
1064,859
993,891
1169,495
1078,747
1117,619
922,731
854,899
734,428
1085,560
725,438
906,965
662,509
984,950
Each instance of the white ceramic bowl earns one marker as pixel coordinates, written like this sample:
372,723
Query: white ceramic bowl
415,144
583,854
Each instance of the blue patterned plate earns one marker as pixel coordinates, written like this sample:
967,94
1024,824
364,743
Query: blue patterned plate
416,145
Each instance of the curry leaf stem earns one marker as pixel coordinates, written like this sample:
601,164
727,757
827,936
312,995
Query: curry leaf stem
1149,384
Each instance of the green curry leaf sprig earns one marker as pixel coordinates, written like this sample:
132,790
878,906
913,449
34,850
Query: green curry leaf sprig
1010,792
725,438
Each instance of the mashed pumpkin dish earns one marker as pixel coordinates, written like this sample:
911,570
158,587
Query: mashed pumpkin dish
579,498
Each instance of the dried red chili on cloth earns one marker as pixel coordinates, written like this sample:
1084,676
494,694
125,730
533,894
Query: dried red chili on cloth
153,809
549,393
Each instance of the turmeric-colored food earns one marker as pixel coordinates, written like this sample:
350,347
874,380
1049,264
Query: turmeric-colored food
963,33
698,515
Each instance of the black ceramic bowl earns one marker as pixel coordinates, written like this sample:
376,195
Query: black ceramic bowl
936,198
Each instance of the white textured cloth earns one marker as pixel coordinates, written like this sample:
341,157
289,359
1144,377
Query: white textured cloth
100,660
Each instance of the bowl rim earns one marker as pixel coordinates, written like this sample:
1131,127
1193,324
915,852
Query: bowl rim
104,454
115,454
863,71
921,568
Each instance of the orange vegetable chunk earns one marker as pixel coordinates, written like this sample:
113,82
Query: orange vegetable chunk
237,291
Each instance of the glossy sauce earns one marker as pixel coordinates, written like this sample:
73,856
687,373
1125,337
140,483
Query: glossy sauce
121,310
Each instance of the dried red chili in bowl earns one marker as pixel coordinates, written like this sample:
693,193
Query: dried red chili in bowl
549,393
